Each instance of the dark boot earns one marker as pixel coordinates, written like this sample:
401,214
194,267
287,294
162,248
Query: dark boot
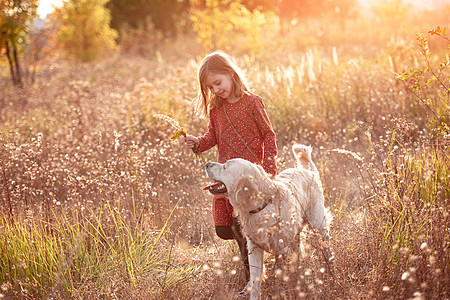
242,243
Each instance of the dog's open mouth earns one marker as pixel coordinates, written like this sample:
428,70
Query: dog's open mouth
216,188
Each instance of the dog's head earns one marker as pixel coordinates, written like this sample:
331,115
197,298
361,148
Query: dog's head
238,179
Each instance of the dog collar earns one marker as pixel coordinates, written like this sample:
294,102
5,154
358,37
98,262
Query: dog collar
267,202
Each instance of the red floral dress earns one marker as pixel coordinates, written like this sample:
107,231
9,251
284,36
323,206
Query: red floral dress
249,118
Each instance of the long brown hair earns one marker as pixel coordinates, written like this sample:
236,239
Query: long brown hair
217,63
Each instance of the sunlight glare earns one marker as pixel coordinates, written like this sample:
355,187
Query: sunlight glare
46,7
420,4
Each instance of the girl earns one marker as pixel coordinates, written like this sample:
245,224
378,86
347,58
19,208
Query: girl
238,125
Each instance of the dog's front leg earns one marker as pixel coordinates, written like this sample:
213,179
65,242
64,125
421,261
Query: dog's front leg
255,259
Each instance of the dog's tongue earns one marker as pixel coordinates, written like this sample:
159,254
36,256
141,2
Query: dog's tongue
216,187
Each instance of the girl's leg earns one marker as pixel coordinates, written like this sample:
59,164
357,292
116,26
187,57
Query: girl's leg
234,233
230,228
225,232
242,243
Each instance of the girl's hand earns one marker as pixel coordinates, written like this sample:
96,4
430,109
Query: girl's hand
191,141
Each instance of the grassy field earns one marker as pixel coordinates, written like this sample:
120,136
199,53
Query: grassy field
97,202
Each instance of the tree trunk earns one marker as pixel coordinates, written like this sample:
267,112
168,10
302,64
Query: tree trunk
33,73
16,61
14,66
11,67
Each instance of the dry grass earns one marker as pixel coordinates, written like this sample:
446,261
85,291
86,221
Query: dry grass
104,205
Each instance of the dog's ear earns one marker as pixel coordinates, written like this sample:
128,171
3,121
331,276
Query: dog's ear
245,189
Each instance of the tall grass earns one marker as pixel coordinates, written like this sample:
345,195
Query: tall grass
410,212
103,255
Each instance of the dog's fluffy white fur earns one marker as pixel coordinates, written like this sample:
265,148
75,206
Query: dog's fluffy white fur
272,210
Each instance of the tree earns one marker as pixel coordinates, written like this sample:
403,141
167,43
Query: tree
15,21
166,16
261,5
227,25
82,29
36,49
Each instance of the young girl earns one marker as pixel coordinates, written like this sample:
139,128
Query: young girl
238,125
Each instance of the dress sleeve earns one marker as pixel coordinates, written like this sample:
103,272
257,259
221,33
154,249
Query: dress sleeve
268,137
209,139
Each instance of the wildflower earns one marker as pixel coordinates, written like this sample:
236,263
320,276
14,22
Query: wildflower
352,154
179,131
405,275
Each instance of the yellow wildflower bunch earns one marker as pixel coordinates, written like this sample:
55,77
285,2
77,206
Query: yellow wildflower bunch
178,133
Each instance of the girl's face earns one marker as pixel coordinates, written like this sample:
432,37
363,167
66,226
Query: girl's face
220,85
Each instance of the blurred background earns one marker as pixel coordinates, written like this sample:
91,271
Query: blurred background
34,32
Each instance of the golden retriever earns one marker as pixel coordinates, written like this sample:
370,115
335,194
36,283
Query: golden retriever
272,210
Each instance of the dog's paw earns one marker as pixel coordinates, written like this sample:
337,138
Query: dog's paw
246,291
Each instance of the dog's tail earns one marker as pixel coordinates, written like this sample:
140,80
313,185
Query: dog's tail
302,154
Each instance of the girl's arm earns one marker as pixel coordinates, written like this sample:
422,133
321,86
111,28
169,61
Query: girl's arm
268,137
209,139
